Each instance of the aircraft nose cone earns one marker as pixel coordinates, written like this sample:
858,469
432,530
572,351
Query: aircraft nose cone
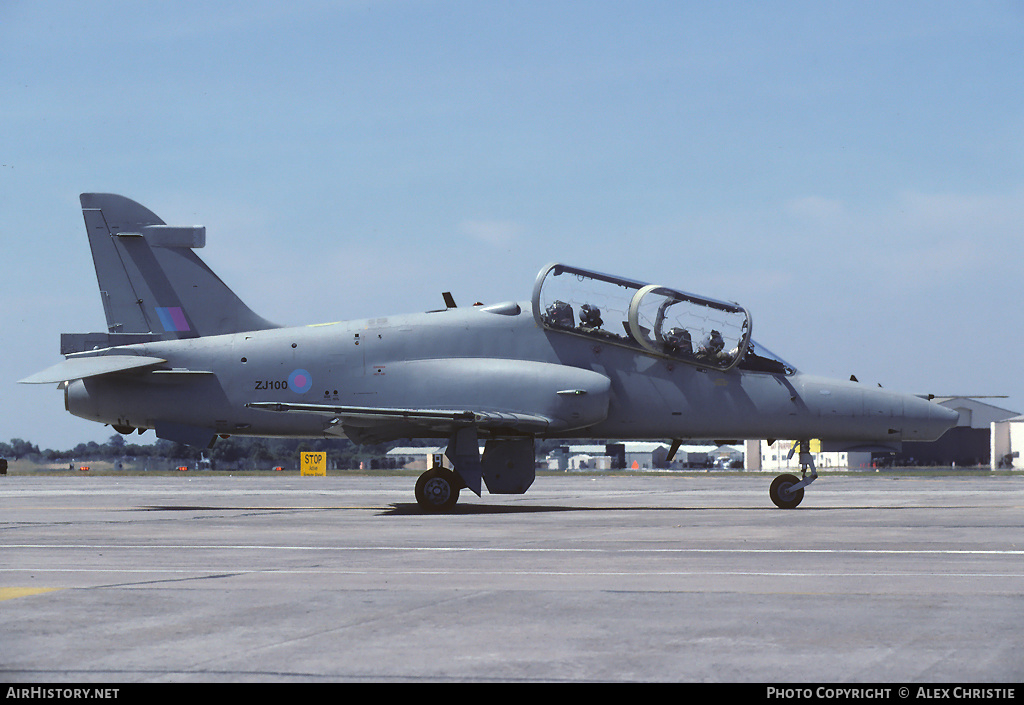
947,416
926,421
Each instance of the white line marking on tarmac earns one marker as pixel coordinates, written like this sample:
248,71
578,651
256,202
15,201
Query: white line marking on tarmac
492,549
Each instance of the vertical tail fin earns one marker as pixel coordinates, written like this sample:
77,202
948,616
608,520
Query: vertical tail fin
151,281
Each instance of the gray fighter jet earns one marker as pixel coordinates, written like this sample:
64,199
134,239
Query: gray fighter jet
590,356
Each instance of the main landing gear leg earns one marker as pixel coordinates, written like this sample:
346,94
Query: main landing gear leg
437,490
787,491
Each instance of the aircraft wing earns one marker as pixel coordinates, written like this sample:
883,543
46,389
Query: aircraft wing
81,367
447,420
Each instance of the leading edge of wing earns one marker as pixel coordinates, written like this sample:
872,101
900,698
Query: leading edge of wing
528,423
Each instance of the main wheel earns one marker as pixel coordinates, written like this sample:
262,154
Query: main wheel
437,490
782,495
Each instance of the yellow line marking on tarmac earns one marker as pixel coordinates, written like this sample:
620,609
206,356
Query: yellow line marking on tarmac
9,593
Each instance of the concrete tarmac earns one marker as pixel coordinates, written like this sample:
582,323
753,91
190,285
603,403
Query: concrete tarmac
213,578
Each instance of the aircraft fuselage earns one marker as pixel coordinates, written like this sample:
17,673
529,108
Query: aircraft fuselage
483,358
591,355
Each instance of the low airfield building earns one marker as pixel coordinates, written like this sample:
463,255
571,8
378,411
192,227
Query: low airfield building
971,443
628,455
985,436
636,455
1007,444
419,457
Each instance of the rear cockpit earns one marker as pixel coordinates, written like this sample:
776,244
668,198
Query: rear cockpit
651,318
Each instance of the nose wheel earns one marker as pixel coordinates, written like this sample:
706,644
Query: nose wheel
787,491
782,493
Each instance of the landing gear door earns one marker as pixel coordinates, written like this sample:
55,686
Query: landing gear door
692,329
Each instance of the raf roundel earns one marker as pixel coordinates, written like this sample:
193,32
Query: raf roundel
300,381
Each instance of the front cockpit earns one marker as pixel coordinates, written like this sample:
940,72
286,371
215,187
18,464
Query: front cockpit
651,318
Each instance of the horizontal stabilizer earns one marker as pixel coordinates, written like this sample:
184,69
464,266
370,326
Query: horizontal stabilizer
81,367
192,237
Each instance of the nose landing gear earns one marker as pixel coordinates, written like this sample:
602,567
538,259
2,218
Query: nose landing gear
787,491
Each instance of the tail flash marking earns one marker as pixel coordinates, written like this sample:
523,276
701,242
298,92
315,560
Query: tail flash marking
173,319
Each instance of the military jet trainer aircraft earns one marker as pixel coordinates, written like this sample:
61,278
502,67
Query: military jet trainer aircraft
590,356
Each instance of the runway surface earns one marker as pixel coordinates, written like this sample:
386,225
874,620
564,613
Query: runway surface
203,577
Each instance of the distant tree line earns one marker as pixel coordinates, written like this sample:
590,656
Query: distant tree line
226,452
238,452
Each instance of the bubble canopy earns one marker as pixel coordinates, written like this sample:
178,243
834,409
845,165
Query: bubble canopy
648,317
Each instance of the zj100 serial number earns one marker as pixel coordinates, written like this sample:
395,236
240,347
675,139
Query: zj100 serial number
265,384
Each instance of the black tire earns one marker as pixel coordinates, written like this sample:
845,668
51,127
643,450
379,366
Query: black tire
782,496
437,490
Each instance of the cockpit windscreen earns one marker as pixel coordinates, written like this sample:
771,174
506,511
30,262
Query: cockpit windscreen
656,319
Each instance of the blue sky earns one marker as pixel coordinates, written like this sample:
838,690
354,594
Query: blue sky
851,172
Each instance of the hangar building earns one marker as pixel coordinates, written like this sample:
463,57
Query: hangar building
968,444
